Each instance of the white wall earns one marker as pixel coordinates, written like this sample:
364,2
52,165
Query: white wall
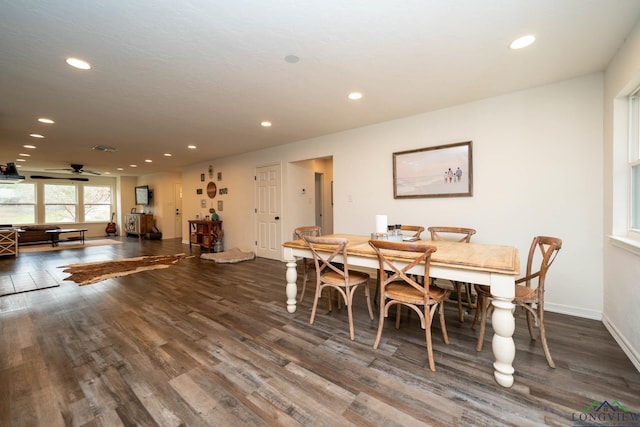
163,205
537,158
621,266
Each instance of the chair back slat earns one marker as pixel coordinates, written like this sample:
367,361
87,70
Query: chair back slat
457,234
411,253
325,252
415,229
544,250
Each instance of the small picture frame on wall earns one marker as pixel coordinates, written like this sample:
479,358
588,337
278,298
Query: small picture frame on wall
219,176
201,177
220,205
203,203
199,191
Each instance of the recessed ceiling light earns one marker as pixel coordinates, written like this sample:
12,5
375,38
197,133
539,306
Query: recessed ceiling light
167,154
24,155
46,120
133,166
148,161
523,41
107,173
119,169
36,135
29,146
265,124
78,63
354,95
191,147
291,59
20,160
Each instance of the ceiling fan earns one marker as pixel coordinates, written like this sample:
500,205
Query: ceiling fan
76,169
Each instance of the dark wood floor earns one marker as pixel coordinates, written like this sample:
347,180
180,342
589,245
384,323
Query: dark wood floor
202,344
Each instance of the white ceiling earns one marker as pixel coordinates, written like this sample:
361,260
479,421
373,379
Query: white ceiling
206,72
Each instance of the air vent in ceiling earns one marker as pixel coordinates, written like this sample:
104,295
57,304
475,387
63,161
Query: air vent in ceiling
105,148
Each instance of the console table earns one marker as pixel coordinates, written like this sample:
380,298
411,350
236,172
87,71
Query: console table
204,233
138,224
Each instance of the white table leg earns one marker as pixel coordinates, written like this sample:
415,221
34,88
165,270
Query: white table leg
292,287
504,350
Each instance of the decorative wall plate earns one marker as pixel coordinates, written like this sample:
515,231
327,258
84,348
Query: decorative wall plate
212,190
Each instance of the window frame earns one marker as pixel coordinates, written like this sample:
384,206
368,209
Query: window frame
75,205
84,204
34,204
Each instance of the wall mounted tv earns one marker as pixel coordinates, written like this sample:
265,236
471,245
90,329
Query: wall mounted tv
143,195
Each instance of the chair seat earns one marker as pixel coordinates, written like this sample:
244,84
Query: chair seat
400,291
335,279
526,294
523,294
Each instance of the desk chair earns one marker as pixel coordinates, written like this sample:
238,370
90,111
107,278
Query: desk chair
399,288
307,264
530,295
331,275
456,234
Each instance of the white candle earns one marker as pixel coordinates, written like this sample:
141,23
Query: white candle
381,223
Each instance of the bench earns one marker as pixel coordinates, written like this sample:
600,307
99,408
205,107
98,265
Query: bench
55,234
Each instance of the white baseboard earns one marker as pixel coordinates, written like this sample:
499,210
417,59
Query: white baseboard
573,311
631,353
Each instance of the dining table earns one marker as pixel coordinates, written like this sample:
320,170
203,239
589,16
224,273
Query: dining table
494,265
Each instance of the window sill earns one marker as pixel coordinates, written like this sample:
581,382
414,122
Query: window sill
627,244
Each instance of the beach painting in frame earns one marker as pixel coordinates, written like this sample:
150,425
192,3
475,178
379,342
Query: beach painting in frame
441,171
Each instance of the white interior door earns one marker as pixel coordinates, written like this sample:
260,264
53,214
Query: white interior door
268,224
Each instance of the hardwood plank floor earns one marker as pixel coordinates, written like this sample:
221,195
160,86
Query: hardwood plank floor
201,344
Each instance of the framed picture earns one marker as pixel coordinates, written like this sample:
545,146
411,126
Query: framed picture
201,177
220,206
219,176
198,190
441,171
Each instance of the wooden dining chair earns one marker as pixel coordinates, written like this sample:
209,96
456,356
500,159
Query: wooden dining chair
307,264
456,234
529,292
332,271
399,288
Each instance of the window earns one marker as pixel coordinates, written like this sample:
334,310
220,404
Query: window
634,161
97,203
60,203
18,203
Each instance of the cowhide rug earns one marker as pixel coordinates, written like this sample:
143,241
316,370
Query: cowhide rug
92,272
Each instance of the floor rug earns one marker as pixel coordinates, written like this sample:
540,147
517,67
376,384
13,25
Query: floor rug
72,244
231,256
25,282
92,272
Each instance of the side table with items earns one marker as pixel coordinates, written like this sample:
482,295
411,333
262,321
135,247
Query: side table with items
9,241
206,234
